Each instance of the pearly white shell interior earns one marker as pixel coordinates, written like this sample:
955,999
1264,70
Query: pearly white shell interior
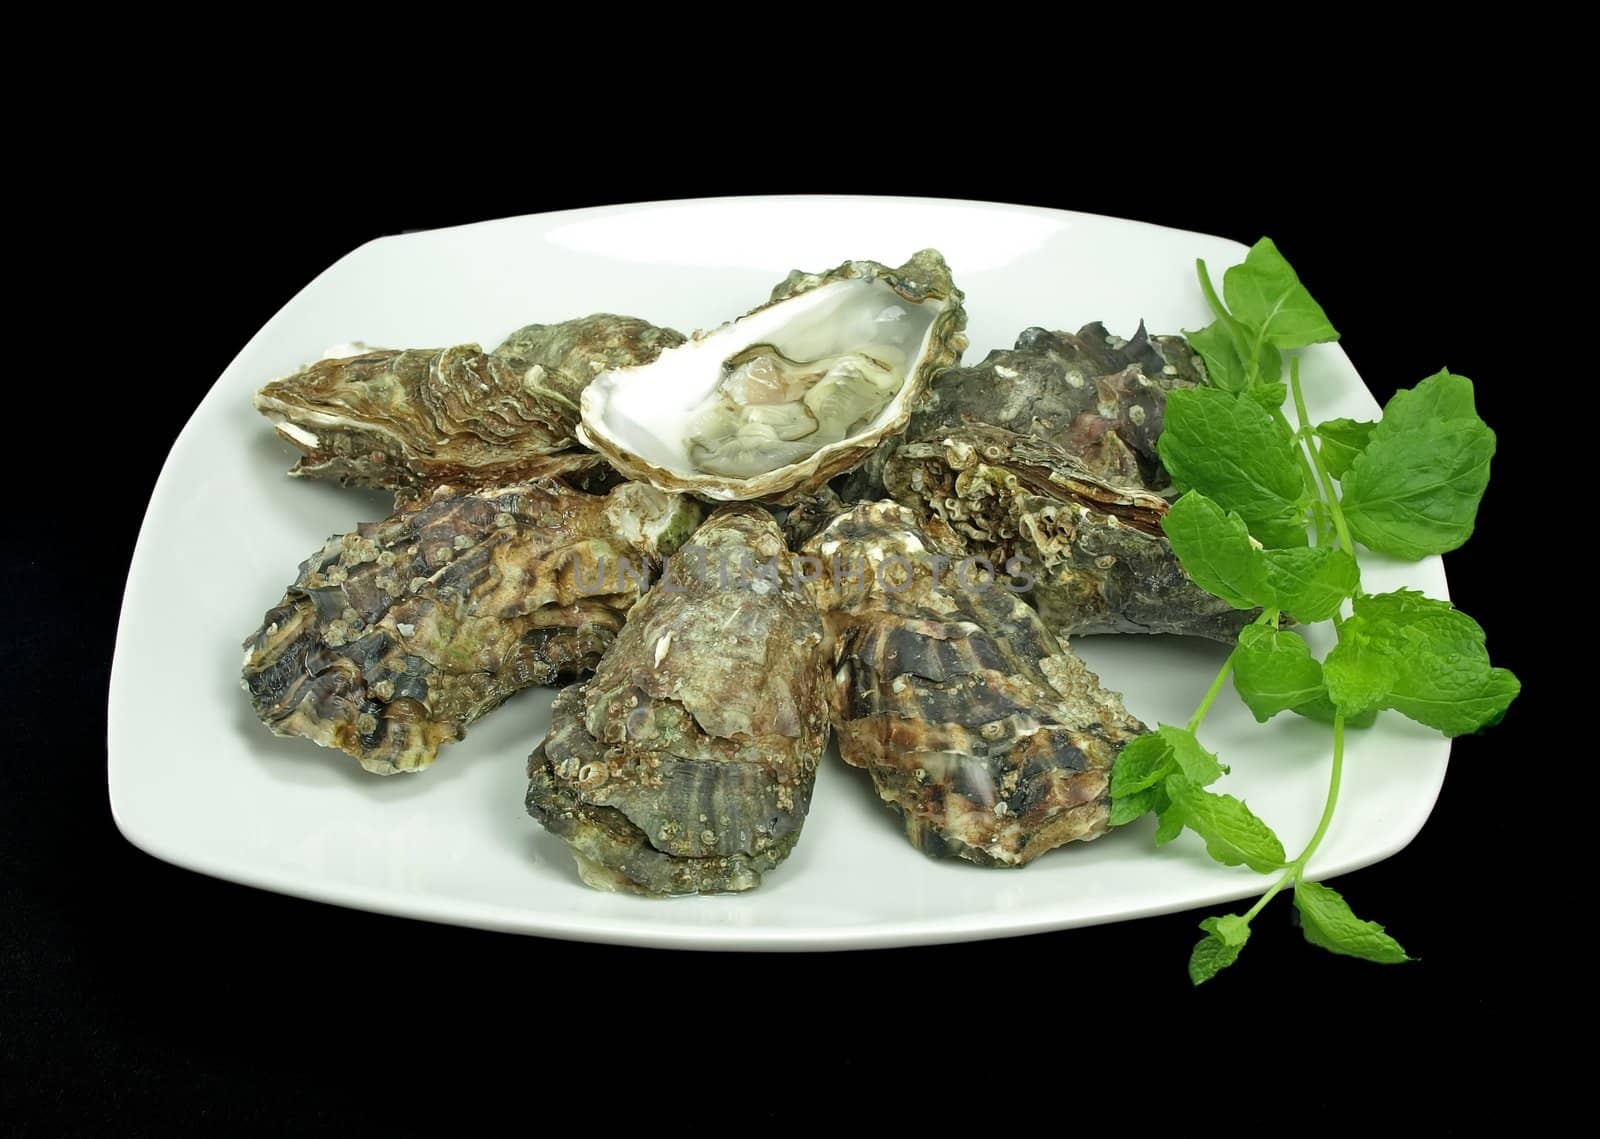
647,409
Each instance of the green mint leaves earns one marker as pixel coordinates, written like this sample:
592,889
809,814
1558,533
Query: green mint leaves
1234,361
1151,760
1342,440
1327,921
1269,520
1311,584
1234,451
1424,658
1217,551
1274,672
1413,490
1167,772
1234,835
1219,948
1267,297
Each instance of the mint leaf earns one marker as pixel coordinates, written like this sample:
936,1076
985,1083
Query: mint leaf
1233,929
1219,344
1322,710
1440,398
1142,763
1223,366
1147,761
1215,550
1312,582
1197,764
1266,294
1273,672
1415,490
1127,808
1358,676
1327,920
1342,440
1234,452
1219,948
1269,396
1234,836
1433,659
1169,819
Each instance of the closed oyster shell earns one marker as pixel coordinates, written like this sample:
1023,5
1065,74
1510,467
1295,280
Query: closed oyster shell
862,327
396,636
685,765
1098,397
412,420
1094,550
992,740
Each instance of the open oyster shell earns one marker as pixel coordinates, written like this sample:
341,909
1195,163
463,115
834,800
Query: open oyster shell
685,764
396,636
1094,550
803,388
992,740
413,420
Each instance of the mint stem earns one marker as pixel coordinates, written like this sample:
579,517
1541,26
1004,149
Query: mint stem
1212,299
1267,617
1307,437
1212,692
1248,359
1307,475
1297,868
1333,793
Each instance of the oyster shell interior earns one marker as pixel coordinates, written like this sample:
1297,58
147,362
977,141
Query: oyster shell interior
770,390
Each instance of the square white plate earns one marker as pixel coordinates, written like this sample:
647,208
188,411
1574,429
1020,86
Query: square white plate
196,780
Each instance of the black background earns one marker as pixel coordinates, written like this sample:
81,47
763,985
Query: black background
137,996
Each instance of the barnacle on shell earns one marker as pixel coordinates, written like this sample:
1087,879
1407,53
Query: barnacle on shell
685,764
396,636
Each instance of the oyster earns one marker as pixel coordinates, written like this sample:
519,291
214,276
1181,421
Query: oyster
1091,552
394,637
685,764
413,420
775,403
578,470
1098,397
992,740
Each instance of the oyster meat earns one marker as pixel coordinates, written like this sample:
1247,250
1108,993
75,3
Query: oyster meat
1090,553
992,740
775,403
396,636
685,764
412,420
1098,397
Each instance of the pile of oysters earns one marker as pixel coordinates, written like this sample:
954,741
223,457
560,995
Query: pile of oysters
810,521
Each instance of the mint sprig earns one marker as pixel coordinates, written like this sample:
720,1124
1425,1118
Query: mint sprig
1269,520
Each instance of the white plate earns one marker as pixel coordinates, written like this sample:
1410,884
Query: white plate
197,781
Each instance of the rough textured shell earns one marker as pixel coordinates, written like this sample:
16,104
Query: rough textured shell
394,637
413,420
992,740
685,765
1100,398
924,278
1093,549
